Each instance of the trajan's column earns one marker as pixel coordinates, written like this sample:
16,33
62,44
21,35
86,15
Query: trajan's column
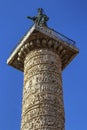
42,54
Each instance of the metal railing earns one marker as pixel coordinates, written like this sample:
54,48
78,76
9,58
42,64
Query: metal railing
64,38
56,35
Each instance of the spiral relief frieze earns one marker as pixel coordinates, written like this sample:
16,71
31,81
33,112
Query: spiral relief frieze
42,105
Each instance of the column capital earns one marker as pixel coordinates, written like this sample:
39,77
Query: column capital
43,37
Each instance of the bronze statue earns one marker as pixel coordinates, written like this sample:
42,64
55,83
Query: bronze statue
40,19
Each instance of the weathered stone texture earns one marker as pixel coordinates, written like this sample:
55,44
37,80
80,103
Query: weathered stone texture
42,105
42,55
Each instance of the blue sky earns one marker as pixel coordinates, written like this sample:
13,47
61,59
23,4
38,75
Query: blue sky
66,16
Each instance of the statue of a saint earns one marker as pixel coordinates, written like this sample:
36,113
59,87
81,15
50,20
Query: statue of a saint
40,19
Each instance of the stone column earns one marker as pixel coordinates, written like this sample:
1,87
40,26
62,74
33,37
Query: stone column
42,55
42,105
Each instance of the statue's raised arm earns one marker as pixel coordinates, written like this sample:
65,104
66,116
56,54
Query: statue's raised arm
41,19
32,18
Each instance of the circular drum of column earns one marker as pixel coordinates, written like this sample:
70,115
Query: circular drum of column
42,106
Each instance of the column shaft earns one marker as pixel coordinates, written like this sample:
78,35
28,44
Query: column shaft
42,105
